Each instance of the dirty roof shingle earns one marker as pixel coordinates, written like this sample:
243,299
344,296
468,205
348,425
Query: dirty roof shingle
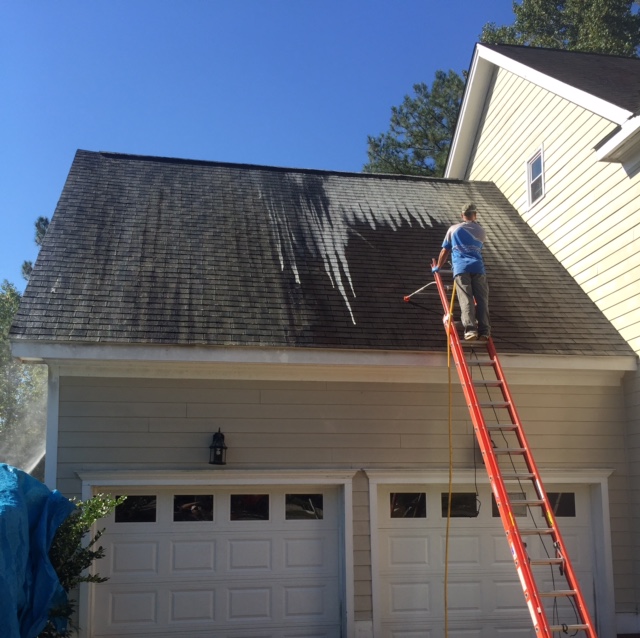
174,252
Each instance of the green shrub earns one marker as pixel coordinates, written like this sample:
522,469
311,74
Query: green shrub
70,557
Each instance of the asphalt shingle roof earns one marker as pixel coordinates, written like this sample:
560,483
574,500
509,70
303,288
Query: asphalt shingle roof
615,79
160,251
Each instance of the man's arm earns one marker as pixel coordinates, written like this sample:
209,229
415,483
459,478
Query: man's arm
442,257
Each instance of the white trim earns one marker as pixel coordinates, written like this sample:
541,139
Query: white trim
483,66
51,440
92,481
471,109
215,476
596,478
624,146
306,364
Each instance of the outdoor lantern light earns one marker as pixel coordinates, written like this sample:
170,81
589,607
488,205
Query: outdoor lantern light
218,449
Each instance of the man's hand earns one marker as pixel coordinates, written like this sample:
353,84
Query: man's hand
435,269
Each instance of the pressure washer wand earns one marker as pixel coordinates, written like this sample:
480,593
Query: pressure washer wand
433,283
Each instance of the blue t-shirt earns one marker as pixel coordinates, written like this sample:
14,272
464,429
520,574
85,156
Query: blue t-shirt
465,241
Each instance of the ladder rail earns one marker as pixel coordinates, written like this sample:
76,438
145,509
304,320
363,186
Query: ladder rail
516,545
549,515
533,596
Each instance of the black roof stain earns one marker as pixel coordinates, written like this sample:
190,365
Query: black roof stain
145,250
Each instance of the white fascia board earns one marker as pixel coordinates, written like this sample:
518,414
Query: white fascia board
590,476
212,476
624,146
308,364
470,113
484,62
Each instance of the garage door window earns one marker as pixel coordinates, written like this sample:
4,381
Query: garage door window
463,505
249,507
563,503
137,509
192,507
518,510
408,505
304,506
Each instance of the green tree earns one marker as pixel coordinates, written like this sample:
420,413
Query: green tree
22,395
71,556
594,26
421,130
41,225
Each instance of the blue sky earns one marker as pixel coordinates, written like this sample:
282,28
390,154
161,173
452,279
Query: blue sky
277,82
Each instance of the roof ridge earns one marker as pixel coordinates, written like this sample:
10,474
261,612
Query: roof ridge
265,167
555,50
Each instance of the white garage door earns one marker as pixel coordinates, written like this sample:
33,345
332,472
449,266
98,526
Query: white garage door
485,596
246,562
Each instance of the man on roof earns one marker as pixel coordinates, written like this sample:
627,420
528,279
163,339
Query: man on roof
464,242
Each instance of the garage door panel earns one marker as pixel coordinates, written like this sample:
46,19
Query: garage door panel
404,551
192,606
133,558
232,579
485,596
310,552
249,554
192,556
465,550
465,596
407,597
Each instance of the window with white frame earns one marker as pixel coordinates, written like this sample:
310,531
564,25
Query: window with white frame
535,178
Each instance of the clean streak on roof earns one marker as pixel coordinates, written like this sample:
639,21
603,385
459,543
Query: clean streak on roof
159,251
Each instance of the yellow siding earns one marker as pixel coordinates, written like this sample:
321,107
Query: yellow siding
588,216
167,424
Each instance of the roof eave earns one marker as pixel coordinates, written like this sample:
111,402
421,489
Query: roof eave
624,146
307,364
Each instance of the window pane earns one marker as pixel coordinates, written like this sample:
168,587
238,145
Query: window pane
536,189
536,167
137,509
303,506
535,178
463,505
563,503
408,504
249,507
192,508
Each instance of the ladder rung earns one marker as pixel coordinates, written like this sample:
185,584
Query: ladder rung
510,450
565,628
527,501
502,426
558,593
546,561
495,404
519,477
488,383
473,342
537,531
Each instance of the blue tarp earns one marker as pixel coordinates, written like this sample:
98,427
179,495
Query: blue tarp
30,514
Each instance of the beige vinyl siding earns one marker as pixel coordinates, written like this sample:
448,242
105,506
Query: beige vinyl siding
588,216
167,424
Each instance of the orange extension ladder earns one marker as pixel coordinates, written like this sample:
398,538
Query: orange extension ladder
520,471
